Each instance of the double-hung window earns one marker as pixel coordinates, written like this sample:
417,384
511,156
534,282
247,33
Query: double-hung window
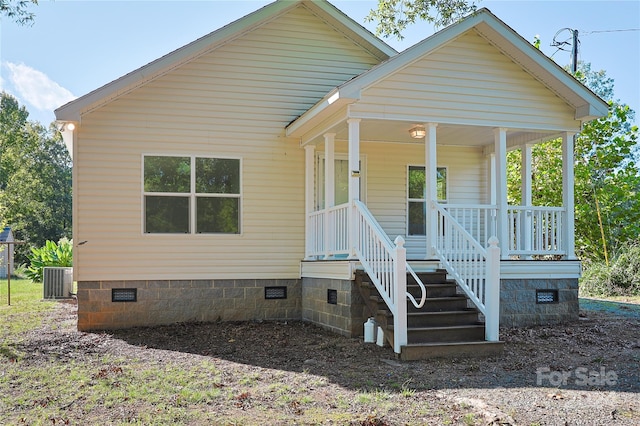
191,195
416,205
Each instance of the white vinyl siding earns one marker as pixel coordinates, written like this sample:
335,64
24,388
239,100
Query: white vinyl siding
232,102
467,81
387,179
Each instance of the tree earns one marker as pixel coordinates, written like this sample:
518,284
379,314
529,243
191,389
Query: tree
393,16
35,179
18,10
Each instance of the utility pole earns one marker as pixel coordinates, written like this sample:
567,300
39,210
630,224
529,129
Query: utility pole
574,51
561,45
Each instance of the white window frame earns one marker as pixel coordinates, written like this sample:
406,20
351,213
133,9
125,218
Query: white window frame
193,195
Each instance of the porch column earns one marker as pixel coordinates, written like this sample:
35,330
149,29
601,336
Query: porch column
329,189
501,190
354,180
568,200
527,198
492,228
309,158
431,189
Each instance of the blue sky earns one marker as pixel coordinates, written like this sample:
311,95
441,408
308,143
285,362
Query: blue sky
77,46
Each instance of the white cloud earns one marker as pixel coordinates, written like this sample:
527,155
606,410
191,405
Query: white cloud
36,88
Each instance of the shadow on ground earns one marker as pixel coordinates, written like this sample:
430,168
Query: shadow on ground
599,343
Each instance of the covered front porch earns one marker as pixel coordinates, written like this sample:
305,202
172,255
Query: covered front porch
408,162
396,198
467,187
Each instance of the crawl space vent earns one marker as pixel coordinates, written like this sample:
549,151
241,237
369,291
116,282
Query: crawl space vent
124,295
275,292
332,297
546,296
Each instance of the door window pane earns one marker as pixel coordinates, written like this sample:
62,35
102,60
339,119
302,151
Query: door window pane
416,182
417,218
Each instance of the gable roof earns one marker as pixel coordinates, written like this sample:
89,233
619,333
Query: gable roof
73,110
587,104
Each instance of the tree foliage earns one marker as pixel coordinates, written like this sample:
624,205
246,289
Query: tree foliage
35,179
393,16
18,10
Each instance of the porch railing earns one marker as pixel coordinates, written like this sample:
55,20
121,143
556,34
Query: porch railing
532,230
329,231
536,230
386,265
475,269
478,220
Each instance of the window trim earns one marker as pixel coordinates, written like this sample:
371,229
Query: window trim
422,200
192,195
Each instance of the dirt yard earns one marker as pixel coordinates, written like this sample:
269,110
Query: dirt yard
281,373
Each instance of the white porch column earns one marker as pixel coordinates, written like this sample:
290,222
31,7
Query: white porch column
354,180
568,200
492,179
354,158
309,158
431,188
501,190
329,189
527,197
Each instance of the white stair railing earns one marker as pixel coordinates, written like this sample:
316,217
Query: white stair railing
387,267
475,269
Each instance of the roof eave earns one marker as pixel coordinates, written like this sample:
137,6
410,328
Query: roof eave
327,106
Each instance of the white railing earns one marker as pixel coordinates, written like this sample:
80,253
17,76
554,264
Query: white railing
315,234
475,269
386,265
328,232
535,230
478,220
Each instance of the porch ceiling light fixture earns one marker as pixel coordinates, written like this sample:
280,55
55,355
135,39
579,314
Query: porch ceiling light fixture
418,132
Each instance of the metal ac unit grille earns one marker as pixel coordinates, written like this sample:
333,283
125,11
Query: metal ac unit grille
57,282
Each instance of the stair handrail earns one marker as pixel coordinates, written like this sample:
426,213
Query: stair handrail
365,215
386,265
475,269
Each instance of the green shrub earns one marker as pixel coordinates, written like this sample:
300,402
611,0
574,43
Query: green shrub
51,254
595,280
621,278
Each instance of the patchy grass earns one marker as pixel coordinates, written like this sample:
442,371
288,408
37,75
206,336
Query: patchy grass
26,310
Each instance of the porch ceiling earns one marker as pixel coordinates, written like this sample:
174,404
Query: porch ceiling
388,131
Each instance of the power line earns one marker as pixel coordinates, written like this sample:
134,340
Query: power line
607,31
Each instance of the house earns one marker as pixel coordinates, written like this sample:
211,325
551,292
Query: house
6,251
291,165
